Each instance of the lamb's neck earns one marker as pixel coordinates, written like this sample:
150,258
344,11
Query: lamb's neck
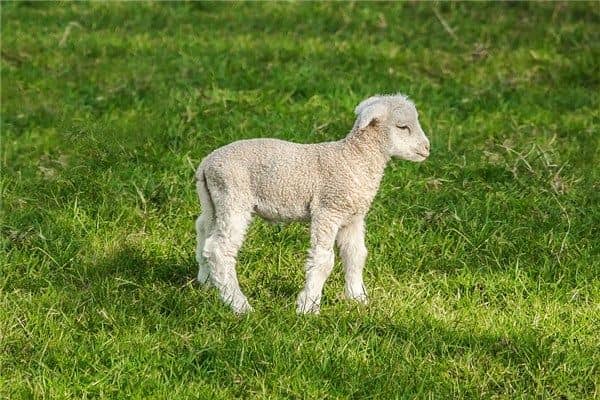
368,149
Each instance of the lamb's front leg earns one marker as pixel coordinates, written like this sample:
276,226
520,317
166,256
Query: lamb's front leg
351,242
319,264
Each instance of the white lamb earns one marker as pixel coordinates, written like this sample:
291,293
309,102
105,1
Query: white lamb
331,184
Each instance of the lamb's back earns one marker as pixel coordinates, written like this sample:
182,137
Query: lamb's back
278,177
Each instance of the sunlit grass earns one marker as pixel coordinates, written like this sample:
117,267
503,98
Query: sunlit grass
483,270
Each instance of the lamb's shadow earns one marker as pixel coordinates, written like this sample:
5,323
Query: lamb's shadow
135,264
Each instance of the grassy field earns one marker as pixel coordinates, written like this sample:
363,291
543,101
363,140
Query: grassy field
484,265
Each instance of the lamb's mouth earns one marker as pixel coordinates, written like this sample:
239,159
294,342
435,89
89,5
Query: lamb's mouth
424,155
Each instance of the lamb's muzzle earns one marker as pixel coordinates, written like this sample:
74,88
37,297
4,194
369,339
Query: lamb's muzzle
330,184
423,149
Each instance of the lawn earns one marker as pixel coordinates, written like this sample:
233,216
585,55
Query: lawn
484,261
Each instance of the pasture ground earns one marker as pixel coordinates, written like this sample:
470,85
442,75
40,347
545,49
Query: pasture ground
484,261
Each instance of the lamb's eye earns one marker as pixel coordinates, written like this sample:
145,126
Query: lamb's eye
404,127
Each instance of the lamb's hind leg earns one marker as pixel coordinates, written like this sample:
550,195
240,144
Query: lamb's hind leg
220,250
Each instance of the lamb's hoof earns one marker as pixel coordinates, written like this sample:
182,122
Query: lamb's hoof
307,305
241,307
205,283
203,279
363,299
358,297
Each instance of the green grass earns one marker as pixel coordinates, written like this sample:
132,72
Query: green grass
484,265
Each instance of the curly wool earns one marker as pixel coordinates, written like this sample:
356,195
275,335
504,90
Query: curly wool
331,184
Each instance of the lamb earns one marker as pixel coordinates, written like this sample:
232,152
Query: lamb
330,184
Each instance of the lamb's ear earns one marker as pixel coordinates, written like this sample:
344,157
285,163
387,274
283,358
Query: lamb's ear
370,110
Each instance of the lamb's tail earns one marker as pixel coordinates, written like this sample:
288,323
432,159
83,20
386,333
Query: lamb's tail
204,225
206,201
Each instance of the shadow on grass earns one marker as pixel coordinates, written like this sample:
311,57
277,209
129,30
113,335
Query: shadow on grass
355,353
134,263
132,271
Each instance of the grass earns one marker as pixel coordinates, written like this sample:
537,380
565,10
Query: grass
484,261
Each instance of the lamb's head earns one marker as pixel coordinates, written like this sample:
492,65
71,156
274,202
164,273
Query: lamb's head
397,118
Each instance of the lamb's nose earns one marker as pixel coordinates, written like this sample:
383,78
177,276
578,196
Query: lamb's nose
427,146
